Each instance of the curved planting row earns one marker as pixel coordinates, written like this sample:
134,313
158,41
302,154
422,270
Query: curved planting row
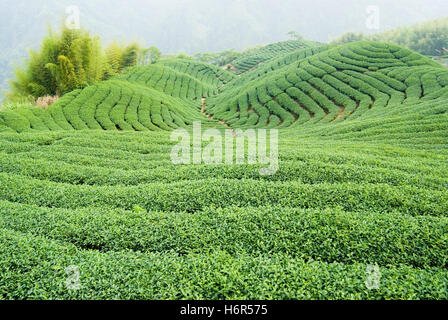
171,82
275,65
347,196
179,78
110,105
345,82
164,96
258,56
204,72
319,84
114,204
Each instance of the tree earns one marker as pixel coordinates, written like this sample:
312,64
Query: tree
144,58
73,59
349,37
427,38
66,61
131,55
114,53
120,57
183,55
219,59
154,54
295,35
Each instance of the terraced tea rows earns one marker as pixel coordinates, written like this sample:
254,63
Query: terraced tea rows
181,78
83,198
347,82
157,97
256,57
202,71
112,105
275,64
362,182
306,87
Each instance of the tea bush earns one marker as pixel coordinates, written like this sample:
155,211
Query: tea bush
362,181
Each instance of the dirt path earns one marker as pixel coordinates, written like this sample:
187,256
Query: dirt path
340,114
204,106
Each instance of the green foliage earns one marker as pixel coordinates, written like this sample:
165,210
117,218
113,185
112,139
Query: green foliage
114,53
295,36
66,61
219,59
163,96
328,84
112,203
109,105
362,181
428,38
120,58
256,56
17,103
154,54
349,37
196,276
130,56
73,60
303,229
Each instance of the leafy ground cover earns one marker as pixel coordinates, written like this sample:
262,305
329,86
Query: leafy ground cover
362,181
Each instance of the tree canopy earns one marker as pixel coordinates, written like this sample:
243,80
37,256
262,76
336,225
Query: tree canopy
73,59
428,38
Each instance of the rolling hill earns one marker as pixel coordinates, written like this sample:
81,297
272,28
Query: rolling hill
157,97
362,183
258,56
199,26
358,80
363,80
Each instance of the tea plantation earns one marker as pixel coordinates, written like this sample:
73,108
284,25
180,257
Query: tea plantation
258,56
362,182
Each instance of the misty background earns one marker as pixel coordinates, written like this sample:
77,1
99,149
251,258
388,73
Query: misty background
193,26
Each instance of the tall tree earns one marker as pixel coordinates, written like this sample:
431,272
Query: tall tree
67,60
154,54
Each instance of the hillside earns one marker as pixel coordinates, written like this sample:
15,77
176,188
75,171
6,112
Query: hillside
197,26
363,79
256,57
310,86
362,182
164,96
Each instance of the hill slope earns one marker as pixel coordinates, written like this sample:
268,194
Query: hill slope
202,25
258,56
158,97
363,79
361,186
317,85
